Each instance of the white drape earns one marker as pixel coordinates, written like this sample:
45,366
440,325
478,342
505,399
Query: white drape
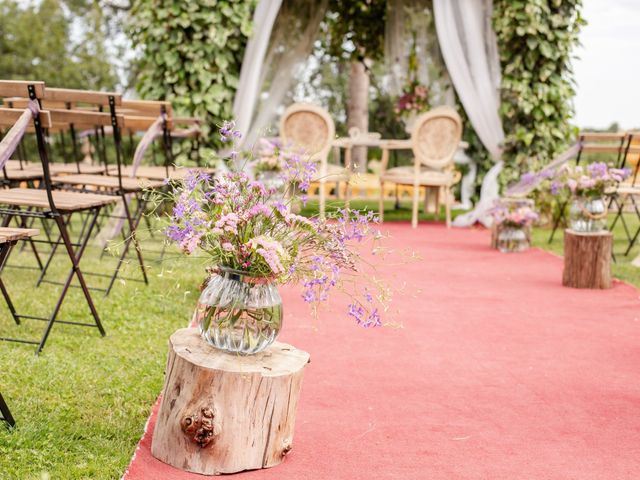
290,32
245,100
468,45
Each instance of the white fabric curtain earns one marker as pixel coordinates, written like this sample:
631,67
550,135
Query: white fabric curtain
409,20
290,33
468,45
245,100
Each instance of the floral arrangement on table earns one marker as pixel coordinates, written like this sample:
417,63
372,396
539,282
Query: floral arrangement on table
255,243
513,220
413,101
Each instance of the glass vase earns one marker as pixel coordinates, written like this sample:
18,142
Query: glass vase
588,214
238,313
271,179
512,239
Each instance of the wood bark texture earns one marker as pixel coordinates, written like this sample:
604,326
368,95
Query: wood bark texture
587,259
225,413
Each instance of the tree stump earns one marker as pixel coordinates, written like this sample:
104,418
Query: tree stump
587,259
224,413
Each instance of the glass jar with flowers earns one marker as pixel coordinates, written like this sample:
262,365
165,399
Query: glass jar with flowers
269,162
588,187
253,244
513,222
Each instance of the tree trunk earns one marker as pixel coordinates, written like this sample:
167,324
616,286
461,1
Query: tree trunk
223,413
358,111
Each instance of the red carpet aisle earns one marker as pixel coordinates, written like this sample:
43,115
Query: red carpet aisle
498,373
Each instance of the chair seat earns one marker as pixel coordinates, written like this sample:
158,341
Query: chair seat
628,190
64,201
156,172
8,234
335,173
67,168
24,175
108,181
405,175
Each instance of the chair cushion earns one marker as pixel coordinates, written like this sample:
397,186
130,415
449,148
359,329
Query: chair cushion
404,175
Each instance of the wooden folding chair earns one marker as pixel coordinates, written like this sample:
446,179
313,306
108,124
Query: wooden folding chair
626,193
592,142
47,203
69,99
110,184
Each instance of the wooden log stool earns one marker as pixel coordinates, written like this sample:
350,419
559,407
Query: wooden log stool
587,259
224,413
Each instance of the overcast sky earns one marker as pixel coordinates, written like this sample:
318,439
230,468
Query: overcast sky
608,70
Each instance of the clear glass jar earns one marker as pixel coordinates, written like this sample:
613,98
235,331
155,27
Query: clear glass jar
271,179
238,313
588,214
512,239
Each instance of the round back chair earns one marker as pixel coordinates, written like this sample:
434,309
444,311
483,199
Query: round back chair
309,127
436,136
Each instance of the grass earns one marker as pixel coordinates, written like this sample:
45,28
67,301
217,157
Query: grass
81,406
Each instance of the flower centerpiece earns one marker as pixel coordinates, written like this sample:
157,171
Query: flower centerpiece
513,220
587,187
253,243
413,101
414,98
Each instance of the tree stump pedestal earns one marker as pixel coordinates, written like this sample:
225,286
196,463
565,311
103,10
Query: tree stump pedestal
587,259
224,413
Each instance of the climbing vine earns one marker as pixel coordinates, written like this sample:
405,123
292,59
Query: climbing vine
535,41
191,53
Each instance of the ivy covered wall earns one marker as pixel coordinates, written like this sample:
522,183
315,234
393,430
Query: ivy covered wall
536,39
191,53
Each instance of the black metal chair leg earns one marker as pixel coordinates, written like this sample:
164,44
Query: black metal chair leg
54,248
133,225
75,258
5,249
6,413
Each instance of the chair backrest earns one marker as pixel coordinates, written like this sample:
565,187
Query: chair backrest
309,127
436,136
21,88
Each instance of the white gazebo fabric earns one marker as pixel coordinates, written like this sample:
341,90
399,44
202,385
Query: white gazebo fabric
290,30
252,64
468,45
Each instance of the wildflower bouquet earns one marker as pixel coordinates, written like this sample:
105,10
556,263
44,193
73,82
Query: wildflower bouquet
513,215
593,181
243,226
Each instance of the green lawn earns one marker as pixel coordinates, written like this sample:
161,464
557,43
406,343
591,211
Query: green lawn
81,406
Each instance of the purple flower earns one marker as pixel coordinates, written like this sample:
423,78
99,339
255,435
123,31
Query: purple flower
280,207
